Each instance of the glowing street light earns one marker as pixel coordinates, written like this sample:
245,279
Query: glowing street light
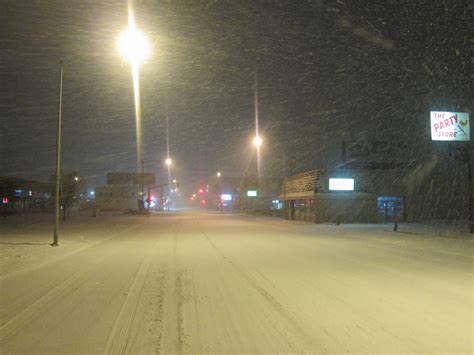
257,141
168,161
133,46
218,174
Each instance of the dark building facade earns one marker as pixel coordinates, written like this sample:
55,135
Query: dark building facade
245,194
435,191
19,194
337,196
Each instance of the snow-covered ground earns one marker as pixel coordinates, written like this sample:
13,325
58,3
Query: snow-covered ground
24,238
209,283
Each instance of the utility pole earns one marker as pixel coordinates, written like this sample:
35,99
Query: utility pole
148,200
143,185
291,157
469,184
55,242
284,188
58,160
463,154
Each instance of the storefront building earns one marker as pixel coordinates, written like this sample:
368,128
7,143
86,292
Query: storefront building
341,196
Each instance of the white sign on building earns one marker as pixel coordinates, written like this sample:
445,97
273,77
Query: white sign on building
449,126
226,197
336,184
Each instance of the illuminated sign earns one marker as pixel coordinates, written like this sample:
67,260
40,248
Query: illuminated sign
251,193
226,197
449,126
336,184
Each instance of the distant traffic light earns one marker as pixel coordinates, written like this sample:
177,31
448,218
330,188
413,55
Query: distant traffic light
201,190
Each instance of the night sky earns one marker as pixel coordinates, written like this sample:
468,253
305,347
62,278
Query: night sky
327,71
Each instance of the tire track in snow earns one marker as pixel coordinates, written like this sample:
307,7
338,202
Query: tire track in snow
127,329
120,338
147,327
163,322
158,317
276,305
182,335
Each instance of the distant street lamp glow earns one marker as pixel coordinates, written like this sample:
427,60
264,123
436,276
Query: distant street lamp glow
219,174
168,161
257,141
133,46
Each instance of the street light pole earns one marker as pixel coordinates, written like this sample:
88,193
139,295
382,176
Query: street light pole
58,159
469,184
284,188
285,208
464,154
142,182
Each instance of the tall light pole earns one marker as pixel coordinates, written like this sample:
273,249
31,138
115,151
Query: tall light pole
58,158
285,208
57,174
169,162
470,204
257,141
168,151
134,48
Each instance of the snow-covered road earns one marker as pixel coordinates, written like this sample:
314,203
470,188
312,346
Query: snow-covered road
206,283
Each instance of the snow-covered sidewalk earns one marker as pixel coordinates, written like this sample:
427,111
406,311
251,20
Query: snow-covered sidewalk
25,238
